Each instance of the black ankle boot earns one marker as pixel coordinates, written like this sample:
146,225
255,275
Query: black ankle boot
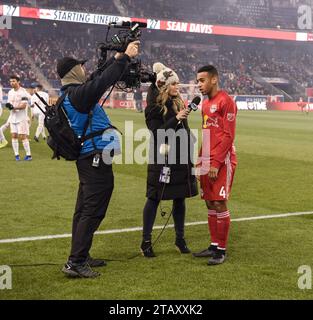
182,246
146,249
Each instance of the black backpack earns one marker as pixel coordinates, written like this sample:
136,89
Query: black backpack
62,139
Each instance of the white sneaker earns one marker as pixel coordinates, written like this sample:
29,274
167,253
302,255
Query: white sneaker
3,143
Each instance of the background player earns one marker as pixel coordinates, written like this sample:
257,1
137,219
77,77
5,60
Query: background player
36,113
303,106
18,99
217,161
3,141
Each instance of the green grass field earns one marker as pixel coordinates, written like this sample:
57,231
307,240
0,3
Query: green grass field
274,175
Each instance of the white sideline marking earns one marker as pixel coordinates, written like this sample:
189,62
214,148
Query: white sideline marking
114,231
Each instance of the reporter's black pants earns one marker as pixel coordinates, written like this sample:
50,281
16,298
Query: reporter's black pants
150,212
94,194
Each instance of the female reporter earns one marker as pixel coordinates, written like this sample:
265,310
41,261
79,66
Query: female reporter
166,110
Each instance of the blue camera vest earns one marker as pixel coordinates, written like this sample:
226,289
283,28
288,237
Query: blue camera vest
109,140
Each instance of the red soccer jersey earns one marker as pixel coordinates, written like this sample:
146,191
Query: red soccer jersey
219,117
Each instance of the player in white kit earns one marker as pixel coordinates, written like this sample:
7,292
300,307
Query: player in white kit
3,141
37,113
1,99
18,101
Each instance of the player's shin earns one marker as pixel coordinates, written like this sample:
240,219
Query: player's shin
223,225
15,146
212,223
26,147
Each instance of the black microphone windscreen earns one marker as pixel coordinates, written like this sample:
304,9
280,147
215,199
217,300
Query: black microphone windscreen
196,100
123,24
140,24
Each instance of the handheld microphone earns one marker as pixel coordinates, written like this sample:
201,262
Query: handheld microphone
123,24
193,106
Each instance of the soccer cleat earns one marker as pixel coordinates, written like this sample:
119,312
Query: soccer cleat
28,158
146,249
3,143
182,246
17,158
95,263
74,270
206,253
218,258
36,139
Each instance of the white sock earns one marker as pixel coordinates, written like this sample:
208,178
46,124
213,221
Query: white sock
43,133
2,129
15,146
38,131
26,147
2,137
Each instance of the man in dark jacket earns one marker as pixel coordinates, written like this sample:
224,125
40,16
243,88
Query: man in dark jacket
95,176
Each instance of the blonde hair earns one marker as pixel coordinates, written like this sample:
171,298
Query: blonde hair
178,103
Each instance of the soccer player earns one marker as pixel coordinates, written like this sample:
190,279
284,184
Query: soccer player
217,160
1,98
3,141
18,100
37,113
303,105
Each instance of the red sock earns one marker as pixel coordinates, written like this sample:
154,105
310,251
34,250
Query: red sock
212,222
223,224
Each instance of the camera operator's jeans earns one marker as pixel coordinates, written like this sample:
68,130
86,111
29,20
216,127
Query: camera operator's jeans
94,194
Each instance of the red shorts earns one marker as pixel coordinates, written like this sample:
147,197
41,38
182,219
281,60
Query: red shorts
219,189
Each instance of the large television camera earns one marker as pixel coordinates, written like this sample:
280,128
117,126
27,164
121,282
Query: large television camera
135,74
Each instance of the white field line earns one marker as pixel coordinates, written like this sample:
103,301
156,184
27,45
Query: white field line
114,231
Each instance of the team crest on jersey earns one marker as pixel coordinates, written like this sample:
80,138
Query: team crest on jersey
230,116
213,108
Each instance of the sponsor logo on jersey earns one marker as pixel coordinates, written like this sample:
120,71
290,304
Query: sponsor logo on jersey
210,122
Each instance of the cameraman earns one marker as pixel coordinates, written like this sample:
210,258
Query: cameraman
95,176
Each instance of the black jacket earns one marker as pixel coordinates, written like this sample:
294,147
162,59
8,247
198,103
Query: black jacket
85,96
182,183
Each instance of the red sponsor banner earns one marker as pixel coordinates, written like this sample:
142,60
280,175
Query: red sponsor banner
139,20
1,10
200,28
186,27
29,13
124,104
163,25
255,33
284,106
228,31
310,36
119,104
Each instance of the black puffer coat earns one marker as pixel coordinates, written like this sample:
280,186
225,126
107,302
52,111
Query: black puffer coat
182,183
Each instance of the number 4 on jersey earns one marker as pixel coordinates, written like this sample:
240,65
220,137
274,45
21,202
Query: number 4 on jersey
223,192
